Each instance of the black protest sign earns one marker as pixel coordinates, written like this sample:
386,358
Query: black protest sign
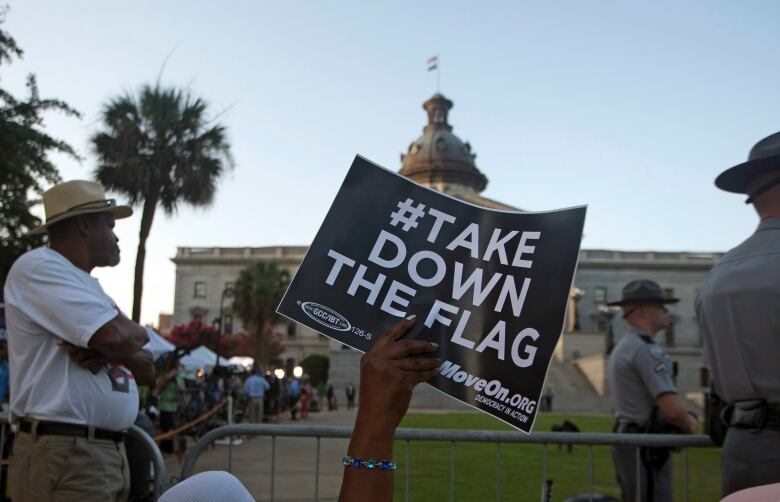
489,286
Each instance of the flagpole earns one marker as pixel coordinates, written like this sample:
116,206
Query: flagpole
438,75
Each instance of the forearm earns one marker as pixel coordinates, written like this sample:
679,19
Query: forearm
673,411
368,442
141,365
119,338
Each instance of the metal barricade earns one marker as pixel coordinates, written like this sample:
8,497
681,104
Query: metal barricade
453,437
154,455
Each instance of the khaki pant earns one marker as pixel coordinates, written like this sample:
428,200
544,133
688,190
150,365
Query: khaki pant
67,468
256,410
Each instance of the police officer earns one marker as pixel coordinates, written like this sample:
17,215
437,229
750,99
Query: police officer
644,394
738,309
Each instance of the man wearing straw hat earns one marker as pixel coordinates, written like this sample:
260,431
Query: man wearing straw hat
738,309
74,357
644,393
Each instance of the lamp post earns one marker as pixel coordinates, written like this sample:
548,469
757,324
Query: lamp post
226,293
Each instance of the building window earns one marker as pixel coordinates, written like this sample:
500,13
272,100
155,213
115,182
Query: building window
602,325
600,295
227,324
200,290
229,287
291,332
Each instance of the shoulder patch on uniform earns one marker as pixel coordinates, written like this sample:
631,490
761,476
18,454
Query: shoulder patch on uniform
660,368
656,350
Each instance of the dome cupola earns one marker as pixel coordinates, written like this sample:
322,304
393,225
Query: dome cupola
438,158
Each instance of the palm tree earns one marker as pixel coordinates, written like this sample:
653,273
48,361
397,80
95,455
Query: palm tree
258,291
159,149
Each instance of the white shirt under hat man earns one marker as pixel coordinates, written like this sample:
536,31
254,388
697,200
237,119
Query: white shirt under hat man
74,357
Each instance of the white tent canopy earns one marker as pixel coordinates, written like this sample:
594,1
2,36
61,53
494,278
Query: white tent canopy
244,362
203,358
157,344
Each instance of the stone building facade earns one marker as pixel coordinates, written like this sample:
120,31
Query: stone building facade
204,274
442,161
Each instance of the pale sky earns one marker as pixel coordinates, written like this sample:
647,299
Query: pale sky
632,108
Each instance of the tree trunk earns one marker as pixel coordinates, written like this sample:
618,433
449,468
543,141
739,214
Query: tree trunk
150,205
261,354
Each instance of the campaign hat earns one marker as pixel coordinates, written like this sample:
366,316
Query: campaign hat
643,291
763,157
77,197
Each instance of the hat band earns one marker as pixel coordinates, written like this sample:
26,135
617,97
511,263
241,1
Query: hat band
763,188
95,204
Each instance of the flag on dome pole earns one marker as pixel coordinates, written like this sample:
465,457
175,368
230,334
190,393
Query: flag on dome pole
433,64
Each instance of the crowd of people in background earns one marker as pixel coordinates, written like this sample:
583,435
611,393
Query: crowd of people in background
181,397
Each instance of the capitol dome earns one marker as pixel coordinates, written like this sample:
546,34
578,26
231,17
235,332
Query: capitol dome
438,158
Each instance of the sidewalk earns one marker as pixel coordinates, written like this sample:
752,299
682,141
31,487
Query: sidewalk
295,462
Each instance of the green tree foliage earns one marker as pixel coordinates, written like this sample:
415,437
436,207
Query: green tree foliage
316,367
159,149
25,167
258,290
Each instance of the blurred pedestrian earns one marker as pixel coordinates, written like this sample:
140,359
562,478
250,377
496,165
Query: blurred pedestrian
169,390
330,394
294,393
254,388
350,396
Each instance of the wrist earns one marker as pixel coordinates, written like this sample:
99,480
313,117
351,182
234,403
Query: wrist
372,438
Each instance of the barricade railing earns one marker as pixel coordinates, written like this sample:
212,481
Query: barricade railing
154,454
453,437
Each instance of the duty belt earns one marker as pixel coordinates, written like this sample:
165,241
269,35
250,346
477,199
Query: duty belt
622,427
63,429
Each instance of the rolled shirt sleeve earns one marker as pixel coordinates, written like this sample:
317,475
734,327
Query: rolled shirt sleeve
69,309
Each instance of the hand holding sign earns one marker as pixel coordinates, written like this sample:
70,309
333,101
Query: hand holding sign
389,371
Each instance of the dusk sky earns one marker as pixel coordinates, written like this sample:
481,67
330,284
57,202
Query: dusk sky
631,108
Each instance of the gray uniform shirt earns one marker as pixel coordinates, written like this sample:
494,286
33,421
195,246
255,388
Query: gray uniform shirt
738,309
638,371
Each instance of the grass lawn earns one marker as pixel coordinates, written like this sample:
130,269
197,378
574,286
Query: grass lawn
521,465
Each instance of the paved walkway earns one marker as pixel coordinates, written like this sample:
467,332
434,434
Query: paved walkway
294,479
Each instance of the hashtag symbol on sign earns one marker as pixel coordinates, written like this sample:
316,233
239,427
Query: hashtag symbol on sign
408,214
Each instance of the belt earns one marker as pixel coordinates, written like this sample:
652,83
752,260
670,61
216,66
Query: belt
627,427
61,429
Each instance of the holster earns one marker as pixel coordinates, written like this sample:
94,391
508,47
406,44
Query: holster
714,425
657,457
746,414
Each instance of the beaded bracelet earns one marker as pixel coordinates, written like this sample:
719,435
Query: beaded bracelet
370,464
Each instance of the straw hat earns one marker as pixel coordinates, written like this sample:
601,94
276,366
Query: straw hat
77,197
